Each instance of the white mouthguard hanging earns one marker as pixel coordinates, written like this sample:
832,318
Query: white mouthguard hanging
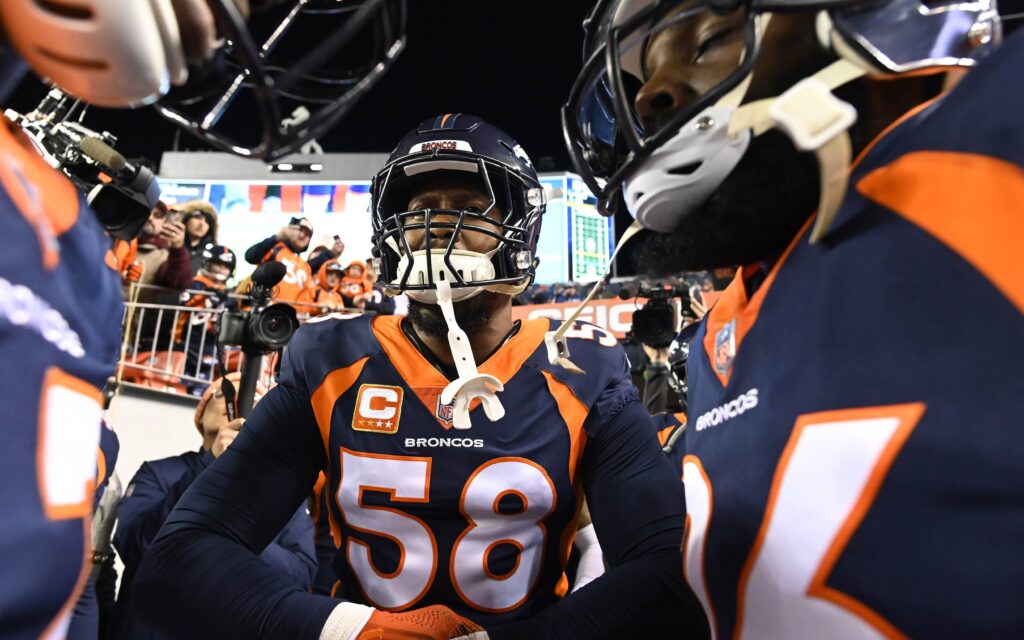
471,384
558,348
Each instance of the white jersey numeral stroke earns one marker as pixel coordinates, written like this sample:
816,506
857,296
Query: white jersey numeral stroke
824,484
489,527
407,479
294,275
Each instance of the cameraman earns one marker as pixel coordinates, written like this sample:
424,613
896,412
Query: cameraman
159,484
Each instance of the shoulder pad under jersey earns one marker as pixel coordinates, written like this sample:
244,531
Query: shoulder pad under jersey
326,343
598,353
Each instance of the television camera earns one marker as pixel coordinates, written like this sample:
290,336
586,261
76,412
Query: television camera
266,327
656,323
120,193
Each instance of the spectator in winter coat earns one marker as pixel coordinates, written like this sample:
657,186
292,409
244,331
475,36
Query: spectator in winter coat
353,285
162,252
325,296
200,219
285,247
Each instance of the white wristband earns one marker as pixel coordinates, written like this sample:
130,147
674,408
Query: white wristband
591,564
346,621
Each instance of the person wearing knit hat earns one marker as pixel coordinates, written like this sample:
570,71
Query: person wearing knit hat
200,220
159,484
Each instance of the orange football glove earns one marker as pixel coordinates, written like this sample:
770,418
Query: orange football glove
436,622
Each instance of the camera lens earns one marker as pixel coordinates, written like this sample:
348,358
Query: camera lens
654,325
272,327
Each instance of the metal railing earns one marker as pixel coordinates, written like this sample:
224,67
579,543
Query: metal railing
173,347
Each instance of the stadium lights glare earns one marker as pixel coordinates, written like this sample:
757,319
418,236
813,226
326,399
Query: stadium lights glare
289,167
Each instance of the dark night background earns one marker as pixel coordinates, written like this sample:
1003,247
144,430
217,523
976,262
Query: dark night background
509,62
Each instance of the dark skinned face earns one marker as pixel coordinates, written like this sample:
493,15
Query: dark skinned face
762,204
455,193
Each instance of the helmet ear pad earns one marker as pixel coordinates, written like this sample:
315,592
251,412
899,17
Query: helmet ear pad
111,53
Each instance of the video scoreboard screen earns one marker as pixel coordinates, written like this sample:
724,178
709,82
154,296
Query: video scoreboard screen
575,241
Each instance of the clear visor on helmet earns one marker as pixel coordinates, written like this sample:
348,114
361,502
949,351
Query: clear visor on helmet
486,241
300,66
650,73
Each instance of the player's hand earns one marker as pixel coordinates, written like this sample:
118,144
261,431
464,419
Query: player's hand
174,234
697,305
656,355
436,622
226,436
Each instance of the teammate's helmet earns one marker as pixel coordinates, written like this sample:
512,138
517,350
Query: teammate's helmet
290,55
217,254
666,170
464,145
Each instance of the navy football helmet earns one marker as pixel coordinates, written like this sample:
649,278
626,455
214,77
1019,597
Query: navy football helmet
463,145
217,254
662,171
298,65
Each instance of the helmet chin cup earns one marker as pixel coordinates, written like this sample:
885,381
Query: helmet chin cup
471,384
470,265
685,171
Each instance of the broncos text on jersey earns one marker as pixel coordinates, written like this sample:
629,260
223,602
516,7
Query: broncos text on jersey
60,319
855,465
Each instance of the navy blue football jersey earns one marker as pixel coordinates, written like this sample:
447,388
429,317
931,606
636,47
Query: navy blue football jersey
60,319
480,519
854,454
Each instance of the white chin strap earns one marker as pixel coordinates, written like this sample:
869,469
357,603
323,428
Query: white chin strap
471,384
557,346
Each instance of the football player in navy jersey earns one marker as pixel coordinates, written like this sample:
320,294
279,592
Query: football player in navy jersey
457,458
60,305
852,463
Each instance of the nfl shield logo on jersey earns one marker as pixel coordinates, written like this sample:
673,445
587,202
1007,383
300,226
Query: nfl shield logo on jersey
725,348
445,412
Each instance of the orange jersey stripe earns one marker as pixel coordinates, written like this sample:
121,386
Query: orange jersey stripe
928,189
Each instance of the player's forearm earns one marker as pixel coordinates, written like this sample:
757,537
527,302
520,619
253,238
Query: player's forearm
643,598
291,563
238,595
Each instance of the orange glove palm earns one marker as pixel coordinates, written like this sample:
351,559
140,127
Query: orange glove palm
436,622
